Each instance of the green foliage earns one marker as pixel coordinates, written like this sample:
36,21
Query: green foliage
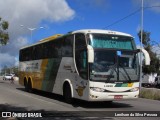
150,94
4,36
8,70
146,94
154,64
146,39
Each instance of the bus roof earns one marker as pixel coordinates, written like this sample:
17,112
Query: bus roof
51,38
85,31
44,40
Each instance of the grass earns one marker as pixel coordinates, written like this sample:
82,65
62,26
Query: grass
150,94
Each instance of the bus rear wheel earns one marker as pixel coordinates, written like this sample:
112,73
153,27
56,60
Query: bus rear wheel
67,93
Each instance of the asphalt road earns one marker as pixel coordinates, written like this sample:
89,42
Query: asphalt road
14,98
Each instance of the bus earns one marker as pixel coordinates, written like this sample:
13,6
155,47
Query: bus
89,64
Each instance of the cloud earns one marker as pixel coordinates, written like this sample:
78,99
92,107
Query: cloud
33,11
30,13
13,46
7,60
9,53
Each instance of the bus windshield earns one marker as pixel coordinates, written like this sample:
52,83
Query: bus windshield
110,67
114,59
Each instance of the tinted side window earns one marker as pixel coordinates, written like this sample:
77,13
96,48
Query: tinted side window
58,48
51,49
81,62
80,40
67,49
21,55
27,54
81,55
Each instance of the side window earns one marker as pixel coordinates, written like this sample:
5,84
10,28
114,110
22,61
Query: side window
58,46
21,58
50,50
54,49
24,54
30,53
81,62
27,54
67,49
33,53
81,55
37,52
40,51
80,41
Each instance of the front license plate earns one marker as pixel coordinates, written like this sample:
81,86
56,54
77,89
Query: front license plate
117,97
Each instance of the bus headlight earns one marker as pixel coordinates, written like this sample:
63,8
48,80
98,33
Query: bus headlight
134,89
96,89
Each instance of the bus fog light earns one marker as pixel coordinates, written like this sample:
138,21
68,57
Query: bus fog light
96,89
134,89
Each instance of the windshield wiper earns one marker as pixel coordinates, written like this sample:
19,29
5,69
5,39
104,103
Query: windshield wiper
111,73
126,72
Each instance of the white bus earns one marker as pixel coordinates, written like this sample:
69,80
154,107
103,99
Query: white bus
91,65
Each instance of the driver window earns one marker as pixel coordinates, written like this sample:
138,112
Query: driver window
81,63
81,55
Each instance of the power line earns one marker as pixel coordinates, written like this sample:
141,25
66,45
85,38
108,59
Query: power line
151,6
131,14
123,18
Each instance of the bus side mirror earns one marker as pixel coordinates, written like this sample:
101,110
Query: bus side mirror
146,56
90,54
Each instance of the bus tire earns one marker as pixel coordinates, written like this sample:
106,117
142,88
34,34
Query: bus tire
30,86
67,93
26,85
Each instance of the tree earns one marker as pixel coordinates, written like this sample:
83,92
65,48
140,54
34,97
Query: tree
4,36
15,70
9,70
154,64
5,70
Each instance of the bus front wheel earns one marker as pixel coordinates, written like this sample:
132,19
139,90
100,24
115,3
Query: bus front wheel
67,93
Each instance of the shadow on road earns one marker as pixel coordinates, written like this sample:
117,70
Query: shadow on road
45,94
8,107
98,105
80,103
47,115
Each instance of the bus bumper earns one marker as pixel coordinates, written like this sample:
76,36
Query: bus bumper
106,96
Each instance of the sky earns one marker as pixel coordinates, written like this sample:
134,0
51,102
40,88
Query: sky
62,16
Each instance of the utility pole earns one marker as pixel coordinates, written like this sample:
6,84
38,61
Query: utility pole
141,44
